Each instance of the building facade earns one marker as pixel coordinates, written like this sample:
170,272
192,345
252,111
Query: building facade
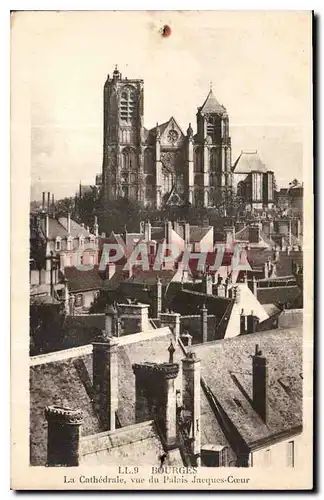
162,164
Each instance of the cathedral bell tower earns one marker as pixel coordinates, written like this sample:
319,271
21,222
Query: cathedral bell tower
123,138
213,155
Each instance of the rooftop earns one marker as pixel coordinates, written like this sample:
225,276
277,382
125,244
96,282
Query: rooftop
248,162
211,105
227,371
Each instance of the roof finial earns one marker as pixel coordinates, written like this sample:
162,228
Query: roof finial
210,85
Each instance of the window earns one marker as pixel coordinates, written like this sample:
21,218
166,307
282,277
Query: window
78,300
291,454
92,240
128,105
58,244
81,242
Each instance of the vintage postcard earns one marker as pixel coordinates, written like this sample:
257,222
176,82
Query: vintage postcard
162,250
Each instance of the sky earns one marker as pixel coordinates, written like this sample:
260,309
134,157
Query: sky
258,63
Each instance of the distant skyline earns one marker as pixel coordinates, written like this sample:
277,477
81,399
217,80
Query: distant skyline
257,63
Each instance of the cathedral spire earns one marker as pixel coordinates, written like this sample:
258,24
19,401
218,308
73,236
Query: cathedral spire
211,105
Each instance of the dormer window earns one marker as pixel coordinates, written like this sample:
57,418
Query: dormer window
58,244
69,243
92,241
81,242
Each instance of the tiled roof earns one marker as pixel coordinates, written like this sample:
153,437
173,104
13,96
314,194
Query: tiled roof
67,380
226,368
131,445
81,281
211,105
197,233
278,294
249,162
55,229
284,265
76,229
150,277
290,318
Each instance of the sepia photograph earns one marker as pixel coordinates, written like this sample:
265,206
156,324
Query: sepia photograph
164,336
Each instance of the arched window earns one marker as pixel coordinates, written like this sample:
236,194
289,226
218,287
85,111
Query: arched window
128,105
58,244
198,160
213,159
129,160
148,161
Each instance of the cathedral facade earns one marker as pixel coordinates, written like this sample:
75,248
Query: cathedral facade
162,165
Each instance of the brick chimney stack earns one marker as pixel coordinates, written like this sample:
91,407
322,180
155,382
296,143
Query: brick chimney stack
105,380
207,284
111,320
260,384
157,298
63,436
147,231
69,223
204,323
156,396
191,399
43,202
96,226
48,202
53,206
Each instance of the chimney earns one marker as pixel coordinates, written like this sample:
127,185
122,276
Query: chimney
157,308
260,384
204,323
43,202
186,233
229,236
110,270
191,400
254,233
171,320
156,396
252,323
207,284
46,225
48,202
69,223
147,231
254,286
135,317
168,231
242,323
95,226
105,379
63,436
53,206
186,339
111,320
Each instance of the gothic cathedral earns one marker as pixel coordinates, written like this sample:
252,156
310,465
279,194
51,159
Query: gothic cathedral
162,165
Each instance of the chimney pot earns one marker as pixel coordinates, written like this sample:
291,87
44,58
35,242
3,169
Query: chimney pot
63,436
260,384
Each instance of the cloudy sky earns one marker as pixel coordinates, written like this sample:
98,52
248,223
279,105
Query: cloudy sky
259,65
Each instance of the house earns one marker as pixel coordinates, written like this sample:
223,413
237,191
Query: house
140,397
